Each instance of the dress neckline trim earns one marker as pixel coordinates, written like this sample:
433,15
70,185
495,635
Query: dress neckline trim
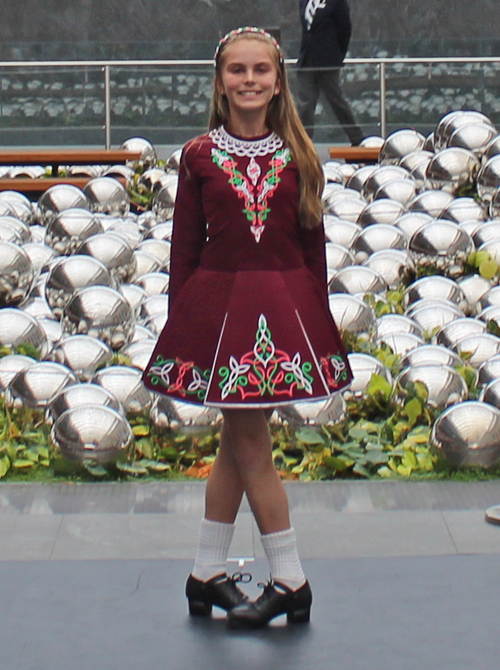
261,146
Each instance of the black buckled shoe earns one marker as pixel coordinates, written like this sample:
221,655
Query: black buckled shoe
221,591
275,600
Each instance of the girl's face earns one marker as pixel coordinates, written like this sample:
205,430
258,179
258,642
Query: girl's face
249,76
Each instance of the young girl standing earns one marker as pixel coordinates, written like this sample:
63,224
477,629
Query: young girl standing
249,326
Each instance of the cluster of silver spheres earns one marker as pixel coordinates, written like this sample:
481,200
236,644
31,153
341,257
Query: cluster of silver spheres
82,277
414,210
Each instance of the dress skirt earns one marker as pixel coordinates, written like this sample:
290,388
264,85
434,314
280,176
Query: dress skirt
255,338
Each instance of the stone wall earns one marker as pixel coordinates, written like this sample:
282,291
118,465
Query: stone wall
180,28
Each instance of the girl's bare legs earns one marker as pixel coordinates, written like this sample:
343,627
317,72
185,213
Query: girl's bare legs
246,465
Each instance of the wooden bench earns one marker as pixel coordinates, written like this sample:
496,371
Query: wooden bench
57,157
355,154
28,185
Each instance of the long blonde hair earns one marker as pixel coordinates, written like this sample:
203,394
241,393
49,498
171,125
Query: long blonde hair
282,118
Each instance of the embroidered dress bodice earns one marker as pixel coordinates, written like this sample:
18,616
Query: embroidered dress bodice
249,323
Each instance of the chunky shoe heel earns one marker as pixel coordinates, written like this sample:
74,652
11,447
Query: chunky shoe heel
276,599
198,608
221,591
299,616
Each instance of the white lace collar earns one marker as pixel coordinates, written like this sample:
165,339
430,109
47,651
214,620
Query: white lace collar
248,148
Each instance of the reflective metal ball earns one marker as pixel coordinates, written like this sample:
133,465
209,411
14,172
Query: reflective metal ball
114,252
125,383
107,195
58,198
79,395
351,313
444,384
91,432
452,169
16,274
102,312
36,385
468,434
82,354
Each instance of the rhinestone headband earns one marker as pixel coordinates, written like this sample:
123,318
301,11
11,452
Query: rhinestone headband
248,30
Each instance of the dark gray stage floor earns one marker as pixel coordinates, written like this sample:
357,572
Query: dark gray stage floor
405,576
413,613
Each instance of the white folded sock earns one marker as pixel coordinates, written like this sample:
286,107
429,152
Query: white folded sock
284,561
213,547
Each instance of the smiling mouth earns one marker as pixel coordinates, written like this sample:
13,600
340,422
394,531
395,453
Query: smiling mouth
250,93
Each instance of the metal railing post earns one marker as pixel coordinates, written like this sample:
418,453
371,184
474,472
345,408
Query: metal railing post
383,94
107,107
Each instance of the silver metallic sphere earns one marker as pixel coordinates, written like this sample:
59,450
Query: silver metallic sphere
434,287
156,322
37,307
357,279
464,209
491,393
161,231
174,161
380,176
139,353
397,323
159,248
68,229
40,255
399,144
401,343
134,295
80,395
114,252
125,383
432,315
52,330
154,179
431,354
124,171
363,368
164,201
373,141
357,180
21,228
82,354
107,195
492,247
142,333
488,179
415,158
410,222
456,330
399,190
332,173
475,288
10,365
444,384
454,120
381,211
36,385
491,298
70,274
379,237
341,232
316,413
351,313
488,371
348,209
393,265
494,209
442,244
20,205
489,230
58,198
451,169
153,305
93,433
431,202
477,349
101,312
145,148
474,136
128,230
145,262
16,274
189,418
337,257
468,434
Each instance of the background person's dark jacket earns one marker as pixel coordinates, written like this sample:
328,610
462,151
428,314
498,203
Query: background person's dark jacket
326,43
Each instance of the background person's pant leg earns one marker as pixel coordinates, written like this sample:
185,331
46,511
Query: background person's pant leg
329,83
307,98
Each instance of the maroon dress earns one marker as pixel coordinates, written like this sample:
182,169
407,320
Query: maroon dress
249,323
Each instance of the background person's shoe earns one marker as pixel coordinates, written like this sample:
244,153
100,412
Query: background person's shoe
276,599
221,591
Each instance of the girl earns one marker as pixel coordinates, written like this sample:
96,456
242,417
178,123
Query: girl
249,325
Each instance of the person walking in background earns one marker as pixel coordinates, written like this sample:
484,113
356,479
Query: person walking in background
249,326
326,32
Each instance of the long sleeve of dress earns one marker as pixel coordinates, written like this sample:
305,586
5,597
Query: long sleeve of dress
189,229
